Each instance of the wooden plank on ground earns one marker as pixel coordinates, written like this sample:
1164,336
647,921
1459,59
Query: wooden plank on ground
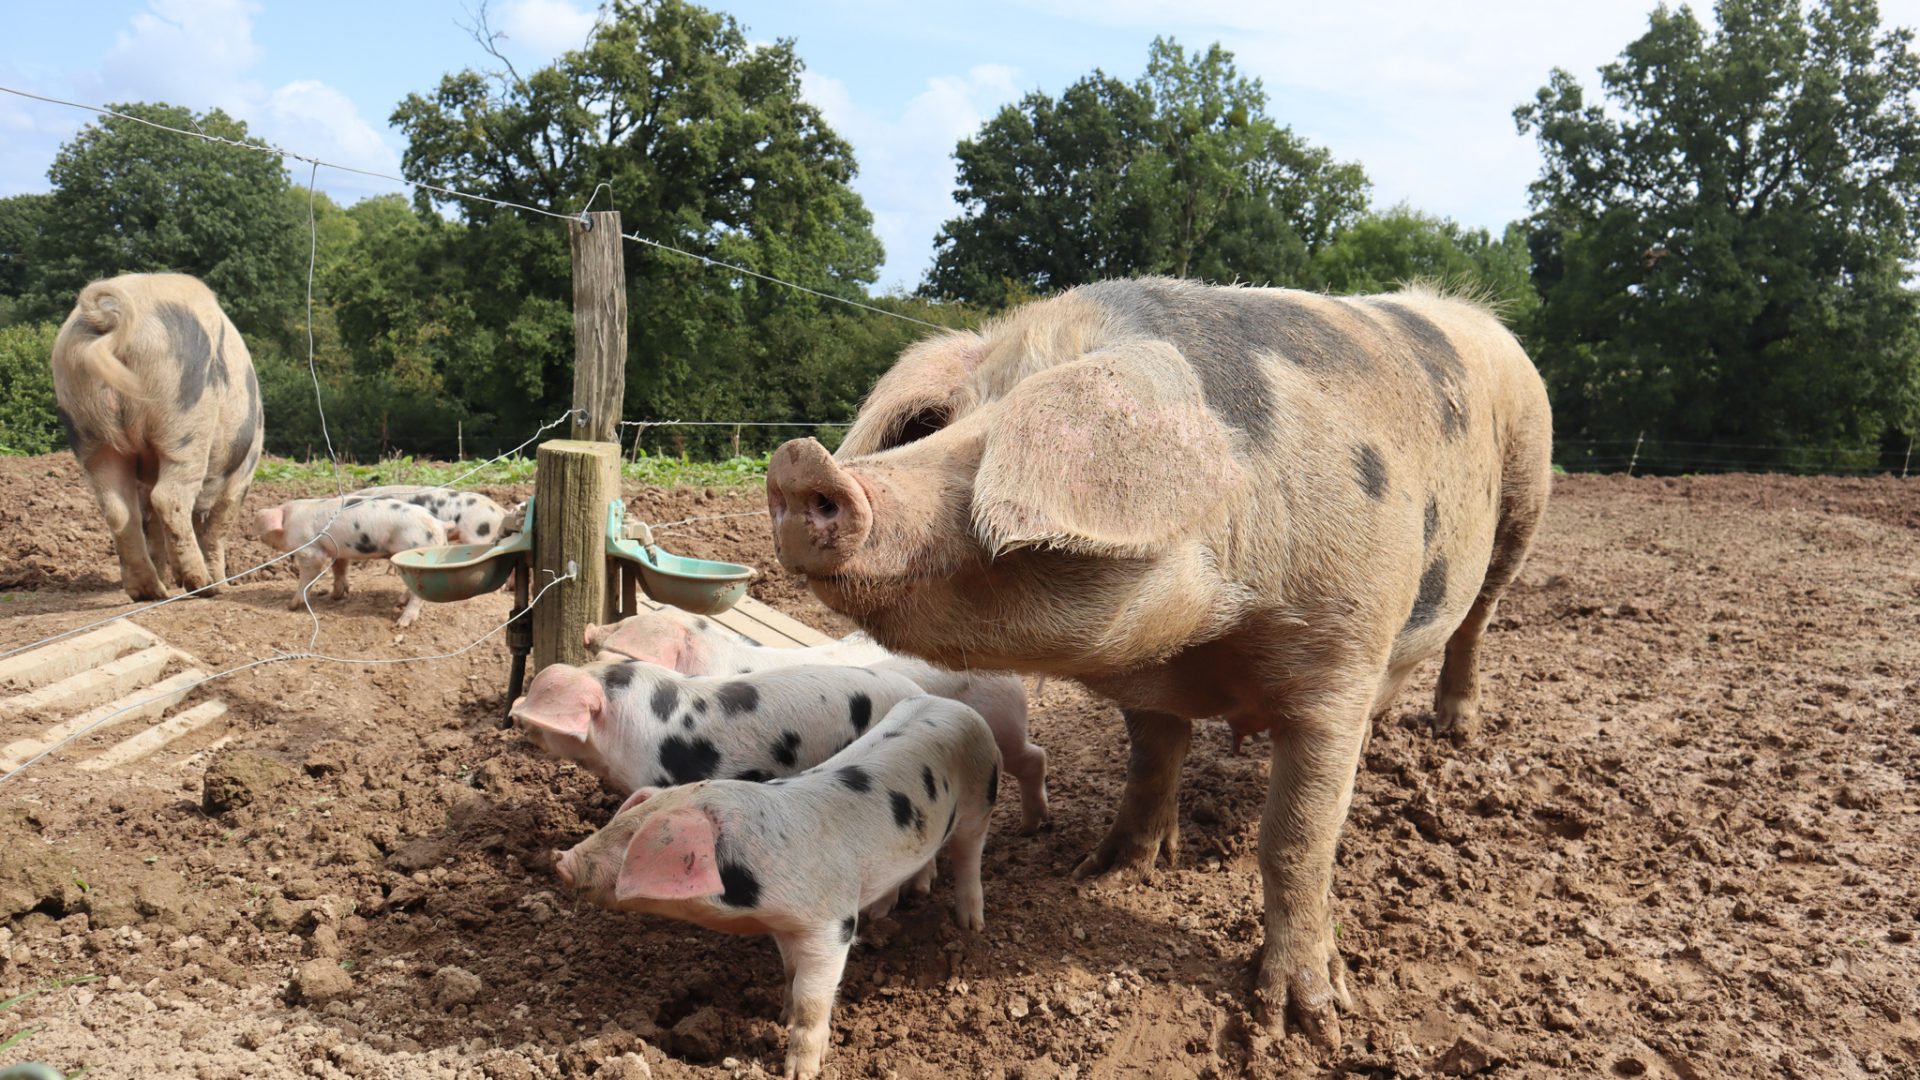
146,742
89,688
760,624
148,701
56,661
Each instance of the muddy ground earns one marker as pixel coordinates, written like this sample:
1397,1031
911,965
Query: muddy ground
1688,844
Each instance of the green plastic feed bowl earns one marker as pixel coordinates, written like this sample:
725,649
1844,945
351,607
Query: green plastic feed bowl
701,586
455,571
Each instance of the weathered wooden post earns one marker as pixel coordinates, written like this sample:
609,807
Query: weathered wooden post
577,477
599,327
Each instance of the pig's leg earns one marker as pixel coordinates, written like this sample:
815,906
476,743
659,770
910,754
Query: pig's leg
1310,784
339,579
922,882
1148,821
819,959
969,902
1456,699
214,525
312,565
1028,764
173,497
786,976
157,549
410,612
117,491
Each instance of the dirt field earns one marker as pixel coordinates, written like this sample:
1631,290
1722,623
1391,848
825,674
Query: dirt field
1688,845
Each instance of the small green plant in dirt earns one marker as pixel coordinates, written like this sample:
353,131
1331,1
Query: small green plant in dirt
319,478
26,1033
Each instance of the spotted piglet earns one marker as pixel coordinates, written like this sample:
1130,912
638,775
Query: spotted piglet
470,517
696,645
346,530
799,858
635,725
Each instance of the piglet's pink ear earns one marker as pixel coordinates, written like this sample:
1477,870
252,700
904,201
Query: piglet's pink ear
670,858
564,710
636,799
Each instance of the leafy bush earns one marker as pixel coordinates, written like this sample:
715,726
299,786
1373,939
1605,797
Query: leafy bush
28,423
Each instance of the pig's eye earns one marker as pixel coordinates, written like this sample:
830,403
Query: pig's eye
917,426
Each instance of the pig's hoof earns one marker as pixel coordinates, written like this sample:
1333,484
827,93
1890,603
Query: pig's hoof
1306,998
1129,854
1457,719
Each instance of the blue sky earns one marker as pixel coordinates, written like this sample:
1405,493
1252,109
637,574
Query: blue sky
1420,93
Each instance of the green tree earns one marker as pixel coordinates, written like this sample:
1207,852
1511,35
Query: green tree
1722,250
1385,250
706,146
1181,172
21,219
131,198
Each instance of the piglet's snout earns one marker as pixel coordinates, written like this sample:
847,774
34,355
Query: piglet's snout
563,867
821,514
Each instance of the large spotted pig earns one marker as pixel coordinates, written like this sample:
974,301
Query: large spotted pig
800,858
696,645
1261,504
161,406
635,725
470,517
335,532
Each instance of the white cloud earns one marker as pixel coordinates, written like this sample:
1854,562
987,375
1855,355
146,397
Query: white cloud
546,27
201,54
906,164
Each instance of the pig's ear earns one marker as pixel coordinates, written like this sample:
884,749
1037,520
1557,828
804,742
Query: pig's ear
635,799
670,858
1113,454
563,714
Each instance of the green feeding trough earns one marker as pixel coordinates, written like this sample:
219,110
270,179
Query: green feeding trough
453,572
702,586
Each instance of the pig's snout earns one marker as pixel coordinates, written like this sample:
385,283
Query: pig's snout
563,867
821,514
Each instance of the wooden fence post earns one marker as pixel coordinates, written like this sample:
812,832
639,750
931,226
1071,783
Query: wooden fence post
571,488
599,327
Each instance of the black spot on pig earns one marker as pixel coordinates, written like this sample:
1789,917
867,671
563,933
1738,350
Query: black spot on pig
666,697
993,785
700,706
240,450
191,349
365,545
185,441
739,887
1371,470
700,623
617,676
860,712
926,777
687,721
905,814
756,776
218,374
483,530
1432,521
688,760
737,698
894,734
848,926
1437,357
1433,590
854,778
787,750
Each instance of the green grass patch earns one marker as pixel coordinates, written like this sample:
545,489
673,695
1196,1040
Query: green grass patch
24,1034
317,477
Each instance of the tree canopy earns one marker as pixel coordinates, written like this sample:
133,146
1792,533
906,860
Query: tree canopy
1721,250
1180,172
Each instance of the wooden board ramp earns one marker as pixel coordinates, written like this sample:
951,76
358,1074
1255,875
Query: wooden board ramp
760,624
103,683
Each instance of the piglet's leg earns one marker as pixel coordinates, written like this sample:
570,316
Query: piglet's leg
969,903
819,957
922,882
339,579
311,567
1147,825
410,612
